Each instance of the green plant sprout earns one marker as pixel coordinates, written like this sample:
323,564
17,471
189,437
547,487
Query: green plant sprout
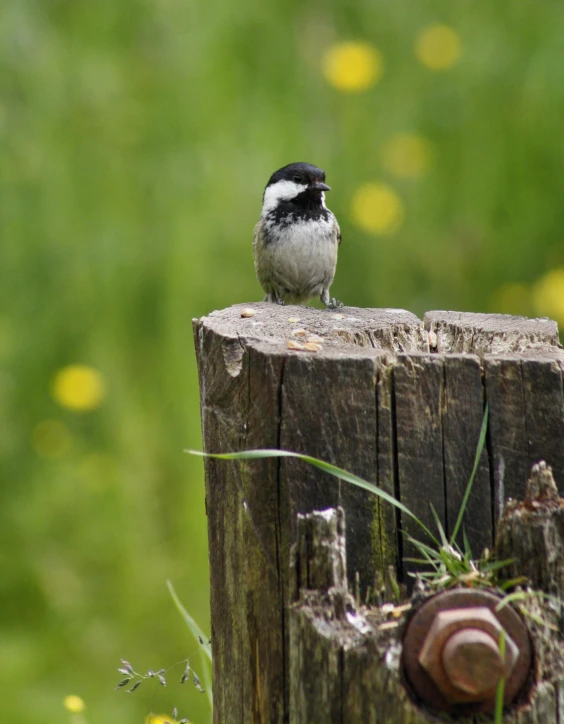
449,564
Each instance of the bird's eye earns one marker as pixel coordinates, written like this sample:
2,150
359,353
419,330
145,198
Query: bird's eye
297,179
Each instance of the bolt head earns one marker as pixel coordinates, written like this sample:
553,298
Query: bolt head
465,668
472,662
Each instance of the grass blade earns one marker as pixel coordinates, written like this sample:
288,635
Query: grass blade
511,598
439,525
199,635
327,467
512,582
501,685
197,632
425,550
467,549
481,442
496,565
453,565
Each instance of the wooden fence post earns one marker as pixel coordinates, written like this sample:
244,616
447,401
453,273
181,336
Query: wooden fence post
385,395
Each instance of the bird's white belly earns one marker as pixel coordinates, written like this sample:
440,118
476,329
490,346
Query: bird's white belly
304,256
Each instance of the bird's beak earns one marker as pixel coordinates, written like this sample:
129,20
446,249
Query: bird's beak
320,187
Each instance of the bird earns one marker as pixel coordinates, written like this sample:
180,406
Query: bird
296,238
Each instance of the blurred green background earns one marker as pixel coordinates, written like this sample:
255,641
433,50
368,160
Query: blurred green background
136,139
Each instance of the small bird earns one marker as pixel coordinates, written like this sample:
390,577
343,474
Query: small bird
296,238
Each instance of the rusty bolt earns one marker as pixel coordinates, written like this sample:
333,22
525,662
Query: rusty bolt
451,654
462,666
472,661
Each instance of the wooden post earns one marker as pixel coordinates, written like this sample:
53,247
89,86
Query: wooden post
387,396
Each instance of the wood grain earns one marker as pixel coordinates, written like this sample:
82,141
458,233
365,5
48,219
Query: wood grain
463,412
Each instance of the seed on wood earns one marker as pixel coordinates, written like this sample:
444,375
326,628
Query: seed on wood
299,332
248,312
292,344
312,347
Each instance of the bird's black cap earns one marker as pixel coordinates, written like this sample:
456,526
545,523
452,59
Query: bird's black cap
299,172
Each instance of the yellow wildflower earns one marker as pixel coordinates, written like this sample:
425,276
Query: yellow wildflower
74,704
548,295
377,208
159,719
407,155
438,47
51,439
79,388
352,66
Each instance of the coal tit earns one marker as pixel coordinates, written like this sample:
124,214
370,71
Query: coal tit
297,237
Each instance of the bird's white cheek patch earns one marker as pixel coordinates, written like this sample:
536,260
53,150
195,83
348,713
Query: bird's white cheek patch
280,191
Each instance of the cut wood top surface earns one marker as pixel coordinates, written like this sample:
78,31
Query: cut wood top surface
354,330
490,333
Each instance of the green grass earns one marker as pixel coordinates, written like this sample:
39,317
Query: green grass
443,563
135,140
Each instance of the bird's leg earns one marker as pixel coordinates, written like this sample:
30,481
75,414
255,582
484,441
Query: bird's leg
274,299
330,303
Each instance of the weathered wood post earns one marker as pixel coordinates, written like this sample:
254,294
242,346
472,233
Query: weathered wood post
351,663
382,394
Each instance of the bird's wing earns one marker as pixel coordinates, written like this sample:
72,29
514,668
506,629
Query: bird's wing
258,237
338,232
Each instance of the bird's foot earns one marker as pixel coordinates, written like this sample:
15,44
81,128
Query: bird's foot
273,299
335,304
